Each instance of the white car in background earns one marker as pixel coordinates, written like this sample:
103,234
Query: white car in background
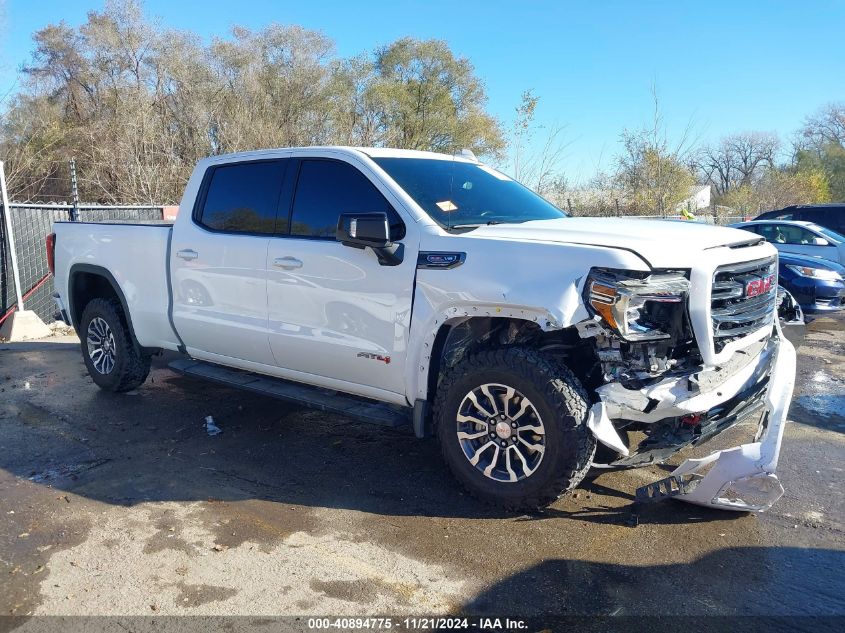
804,238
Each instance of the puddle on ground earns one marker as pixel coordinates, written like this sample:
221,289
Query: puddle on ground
66,471
825,405
825,395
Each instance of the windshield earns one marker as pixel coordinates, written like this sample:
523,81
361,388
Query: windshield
831,235
463,194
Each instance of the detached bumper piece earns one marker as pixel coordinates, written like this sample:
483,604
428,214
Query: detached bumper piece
755,493
667,488
743,477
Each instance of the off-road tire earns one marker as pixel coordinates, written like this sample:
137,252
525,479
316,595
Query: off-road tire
562,404
131,367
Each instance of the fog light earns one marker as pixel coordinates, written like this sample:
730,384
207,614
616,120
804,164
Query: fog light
755,493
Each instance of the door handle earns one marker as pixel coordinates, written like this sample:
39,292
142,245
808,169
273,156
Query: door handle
288,263
187,254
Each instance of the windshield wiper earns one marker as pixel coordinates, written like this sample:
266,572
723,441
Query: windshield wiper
475,225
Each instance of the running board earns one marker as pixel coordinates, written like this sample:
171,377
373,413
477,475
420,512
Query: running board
305,395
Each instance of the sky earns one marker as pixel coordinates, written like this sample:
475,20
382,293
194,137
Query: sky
718,67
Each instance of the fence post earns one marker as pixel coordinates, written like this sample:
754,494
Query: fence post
74,192
7,216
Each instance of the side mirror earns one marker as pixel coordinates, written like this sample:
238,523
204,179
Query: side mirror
360,230
820,241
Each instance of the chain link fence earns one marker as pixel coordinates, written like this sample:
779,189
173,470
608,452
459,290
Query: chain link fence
31,223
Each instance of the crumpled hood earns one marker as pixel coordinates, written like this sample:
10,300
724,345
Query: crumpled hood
662,243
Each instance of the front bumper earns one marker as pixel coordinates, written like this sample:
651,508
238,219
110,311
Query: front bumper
742,477
818,296
738,478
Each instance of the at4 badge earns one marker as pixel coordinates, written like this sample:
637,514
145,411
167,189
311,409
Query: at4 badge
384,359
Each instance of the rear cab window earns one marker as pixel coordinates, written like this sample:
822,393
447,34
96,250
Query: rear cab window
243,198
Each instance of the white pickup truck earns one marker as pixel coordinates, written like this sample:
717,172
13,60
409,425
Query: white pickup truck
405,286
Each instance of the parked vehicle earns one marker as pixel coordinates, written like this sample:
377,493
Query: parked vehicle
403,286
831,216
802,238
818,285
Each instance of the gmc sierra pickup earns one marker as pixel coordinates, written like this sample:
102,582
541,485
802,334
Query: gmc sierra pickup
405,285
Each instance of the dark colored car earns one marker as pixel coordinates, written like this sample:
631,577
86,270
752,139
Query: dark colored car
830,216
818,285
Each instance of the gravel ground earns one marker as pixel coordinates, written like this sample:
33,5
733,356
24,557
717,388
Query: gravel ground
123,505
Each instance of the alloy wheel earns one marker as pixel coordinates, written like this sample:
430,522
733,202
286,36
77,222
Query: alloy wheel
501,432
101,347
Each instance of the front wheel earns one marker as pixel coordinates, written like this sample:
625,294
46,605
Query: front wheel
113,361
512,427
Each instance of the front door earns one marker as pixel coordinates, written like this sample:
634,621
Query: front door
219,263
790,238
334,311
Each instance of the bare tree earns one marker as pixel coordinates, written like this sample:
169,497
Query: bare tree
537,162
652,171
736,160
137,104
825,127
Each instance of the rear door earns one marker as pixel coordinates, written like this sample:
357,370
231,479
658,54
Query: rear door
219,262
334,311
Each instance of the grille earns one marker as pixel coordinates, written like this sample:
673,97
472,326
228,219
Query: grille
734,314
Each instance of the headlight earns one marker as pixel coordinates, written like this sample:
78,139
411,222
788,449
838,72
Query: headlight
638,309
815,273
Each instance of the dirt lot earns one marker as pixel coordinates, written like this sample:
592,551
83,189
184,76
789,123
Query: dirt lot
122,504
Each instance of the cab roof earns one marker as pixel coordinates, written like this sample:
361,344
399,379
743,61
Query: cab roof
372,152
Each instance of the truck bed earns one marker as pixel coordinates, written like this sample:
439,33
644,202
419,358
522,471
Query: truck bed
136,257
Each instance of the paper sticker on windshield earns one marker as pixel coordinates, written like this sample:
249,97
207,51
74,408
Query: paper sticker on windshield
447,205
493,172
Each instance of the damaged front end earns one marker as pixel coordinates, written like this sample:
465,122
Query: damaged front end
659,395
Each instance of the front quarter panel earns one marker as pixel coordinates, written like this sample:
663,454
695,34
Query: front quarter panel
537,281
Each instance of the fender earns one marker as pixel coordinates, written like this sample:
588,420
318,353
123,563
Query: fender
99,271
417,372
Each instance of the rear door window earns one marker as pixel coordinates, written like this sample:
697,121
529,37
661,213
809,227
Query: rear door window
243,197
327,188
790,234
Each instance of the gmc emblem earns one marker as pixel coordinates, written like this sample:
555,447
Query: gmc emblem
757,287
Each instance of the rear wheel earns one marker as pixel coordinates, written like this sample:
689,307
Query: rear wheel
512,427
113,360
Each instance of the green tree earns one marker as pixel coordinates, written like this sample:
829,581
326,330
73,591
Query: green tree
778,188
137,105
653,181
821,145
432,100
830,160
653,173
